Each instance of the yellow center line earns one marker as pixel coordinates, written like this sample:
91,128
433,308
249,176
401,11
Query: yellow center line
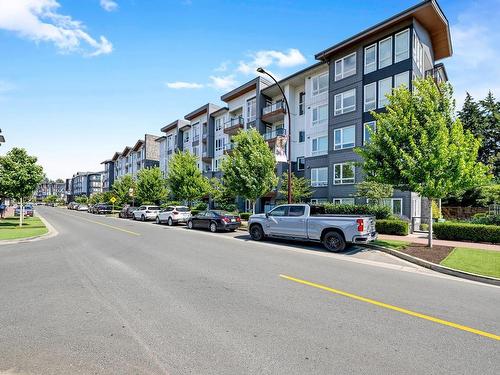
392,307
105,225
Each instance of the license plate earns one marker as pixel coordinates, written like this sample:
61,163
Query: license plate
233,220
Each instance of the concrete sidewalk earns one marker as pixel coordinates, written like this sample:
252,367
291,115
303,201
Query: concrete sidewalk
421,238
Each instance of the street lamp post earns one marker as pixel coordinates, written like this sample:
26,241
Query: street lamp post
289,141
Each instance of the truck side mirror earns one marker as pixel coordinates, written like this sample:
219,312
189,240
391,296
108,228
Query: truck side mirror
267,215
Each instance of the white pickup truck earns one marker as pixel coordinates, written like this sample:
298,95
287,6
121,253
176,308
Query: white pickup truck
309,223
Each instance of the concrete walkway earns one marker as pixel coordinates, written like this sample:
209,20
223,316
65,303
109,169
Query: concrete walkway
421,238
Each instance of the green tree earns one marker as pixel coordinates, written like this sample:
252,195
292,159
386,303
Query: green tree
300,186
50,199
419,146
19,176
151,186
185,180
121,188
375,192
489,194
81,199
250,171
221,195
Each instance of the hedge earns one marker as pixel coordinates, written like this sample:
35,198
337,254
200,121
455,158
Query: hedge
486,219
245,215
380,212
467,232
397,227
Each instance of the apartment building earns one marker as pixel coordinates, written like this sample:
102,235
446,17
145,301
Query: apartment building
84,183
47,188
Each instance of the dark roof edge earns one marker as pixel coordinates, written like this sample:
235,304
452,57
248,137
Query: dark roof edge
283,80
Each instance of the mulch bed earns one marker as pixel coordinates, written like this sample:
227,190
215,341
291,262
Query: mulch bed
434,255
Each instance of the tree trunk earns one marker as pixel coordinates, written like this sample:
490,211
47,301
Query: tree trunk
430,224
253,207
21,214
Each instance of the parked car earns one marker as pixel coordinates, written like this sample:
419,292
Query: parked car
90,208
72,205
310,223
215,220
144,213
102,209
27,210
173,215
127,212
82,207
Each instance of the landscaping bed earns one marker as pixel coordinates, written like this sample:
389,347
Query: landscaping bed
435,255
32,227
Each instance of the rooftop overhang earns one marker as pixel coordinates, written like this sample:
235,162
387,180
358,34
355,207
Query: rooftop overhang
126,151
243,89
107,161
138,145
219,112
427,13
169,127
116,156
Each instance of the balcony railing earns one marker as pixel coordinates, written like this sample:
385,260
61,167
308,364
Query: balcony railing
229,147
274,107
274,134
237,121
196,137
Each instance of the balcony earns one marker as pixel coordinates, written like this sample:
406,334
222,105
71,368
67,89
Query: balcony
229,148
204,136
438,73
234,125
271,137
205,156
274,112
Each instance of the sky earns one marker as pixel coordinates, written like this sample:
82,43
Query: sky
81,79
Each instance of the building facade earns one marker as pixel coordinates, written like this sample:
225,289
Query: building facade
84,183
47,188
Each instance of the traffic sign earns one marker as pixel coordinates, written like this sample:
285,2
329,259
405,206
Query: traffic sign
112,200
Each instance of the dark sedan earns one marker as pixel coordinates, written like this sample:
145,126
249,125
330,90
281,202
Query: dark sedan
215,220
103,209
127,212
27,210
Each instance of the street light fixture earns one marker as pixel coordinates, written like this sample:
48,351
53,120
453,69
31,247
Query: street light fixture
2,138
289,141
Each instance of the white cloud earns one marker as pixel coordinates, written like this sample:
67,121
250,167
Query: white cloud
39,20
223,66
292,57
223,82
184,85
109,5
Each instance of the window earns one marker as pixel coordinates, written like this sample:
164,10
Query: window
302,136
195,151
345,102
302,97
218,124
279,211
402,46
251,110
320,115
186,136
343,173
320,145
219,144
368,129
296,210
320,84
216,165
343,200
196,133
396,205
345,66
319,176
318,200
301,162
384,88
385,53
418,52
370,58
344,138
370,97
402,79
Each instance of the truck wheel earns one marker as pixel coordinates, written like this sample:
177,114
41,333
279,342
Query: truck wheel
256,233
334,242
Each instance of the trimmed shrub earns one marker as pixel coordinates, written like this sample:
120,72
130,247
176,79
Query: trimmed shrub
245,215
424,227
195,212
396,227
467,232
486,219
380,212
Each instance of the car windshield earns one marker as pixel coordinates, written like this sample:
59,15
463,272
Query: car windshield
220,212
182,209
153,208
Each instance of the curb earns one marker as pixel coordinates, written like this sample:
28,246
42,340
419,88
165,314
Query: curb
51,232
438,267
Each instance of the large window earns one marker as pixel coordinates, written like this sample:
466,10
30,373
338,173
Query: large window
219,144
402,46
302,136
302,103
218,124
320,84
320,115
418,52
396,205
216,165
251,110
301,162
370,97
319,145
345,102
384,88
185,135
368,128
343,173
402,79
385,52
344,138
196,132
319,176
370,58
345,66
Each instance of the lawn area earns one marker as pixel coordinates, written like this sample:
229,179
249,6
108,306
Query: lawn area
481,262
10,230
391,244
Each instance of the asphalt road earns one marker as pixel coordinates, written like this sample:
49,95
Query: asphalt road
110,296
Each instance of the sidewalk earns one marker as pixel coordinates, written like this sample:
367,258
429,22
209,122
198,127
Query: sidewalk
421,238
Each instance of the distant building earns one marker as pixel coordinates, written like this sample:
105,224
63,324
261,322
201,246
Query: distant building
47,188
84,183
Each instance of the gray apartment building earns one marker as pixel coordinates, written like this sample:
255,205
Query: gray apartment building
84,183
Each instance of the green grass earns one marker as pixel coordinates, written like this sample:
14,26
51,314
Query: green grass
481,262
10,230
391,244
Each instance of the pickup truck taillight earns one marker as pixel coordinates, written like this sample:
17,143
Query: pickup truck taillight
361,225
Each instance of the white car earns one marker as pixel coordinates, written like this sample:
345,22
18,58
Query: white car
144,213
173,215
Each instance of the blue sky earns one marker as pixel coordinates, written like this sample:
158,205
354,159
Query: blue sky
80,79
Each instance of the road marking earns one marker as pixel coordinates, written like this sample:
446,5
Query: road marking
395,308
105,225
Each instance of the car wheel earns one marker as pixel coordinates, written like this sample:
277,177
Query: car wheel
213,227
170,222
334,242
158,221
256,233
190,224
143,218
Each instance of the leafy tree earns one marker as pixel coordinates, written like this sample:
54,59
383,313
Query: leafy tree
185,180
420,147
81,199
250,171
221,195
151,186
19,176
50,199
121,188
60,181
375,192
300,186
489,194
